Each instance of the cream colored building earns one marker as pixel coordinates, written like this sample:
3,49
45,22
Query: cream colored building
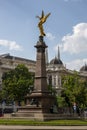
8,62
55,69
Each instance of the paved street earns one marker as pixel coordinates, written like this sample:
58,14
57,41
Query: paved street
6,127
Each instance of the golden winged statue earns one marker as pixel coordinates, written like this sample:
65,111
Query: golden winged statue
42,19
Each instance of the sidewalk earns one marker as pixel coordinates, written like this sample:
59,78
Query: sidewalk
6,127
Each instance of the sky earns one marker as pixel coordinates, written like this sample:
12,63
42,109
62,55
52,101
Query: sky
66,27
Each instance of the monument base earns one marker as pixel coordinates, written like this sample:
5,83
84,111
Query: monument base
41,108
37,116
36,113
33,113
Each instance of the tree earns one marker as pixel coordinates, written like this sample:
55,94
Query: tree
17,83
60,101
74,90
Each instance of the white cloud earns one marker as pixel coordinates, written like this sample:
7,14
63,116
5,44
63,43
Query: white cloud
50,36
77,41
76,64
12,45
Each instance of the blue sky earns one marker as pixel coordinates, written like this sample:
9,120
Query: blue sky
66,27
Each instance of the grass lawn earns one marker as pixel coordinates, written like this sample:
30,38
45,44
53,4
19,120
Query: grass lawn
45,123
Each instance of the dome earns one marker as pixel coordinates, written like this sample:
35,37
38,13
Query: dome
83,68
56,61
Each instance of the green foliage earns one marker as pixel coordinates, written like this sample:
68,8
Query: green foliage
60,101
16,83
74,90
51,89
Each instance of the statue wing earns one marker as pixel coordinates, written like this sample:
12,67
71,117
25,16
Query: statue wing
37,17
42,14
47,15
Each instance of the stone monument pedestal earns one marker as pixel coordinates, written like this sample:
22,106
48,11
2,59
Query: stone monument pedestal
40,101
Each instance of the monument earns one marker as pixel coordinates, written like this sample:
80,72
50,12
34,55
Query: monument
40,101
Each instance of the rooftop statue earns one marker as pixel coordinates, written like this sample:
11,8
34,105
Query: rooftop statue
42,19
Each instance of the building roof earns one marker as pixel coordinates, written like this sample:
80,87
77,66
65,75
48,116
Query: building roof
8,56
56,61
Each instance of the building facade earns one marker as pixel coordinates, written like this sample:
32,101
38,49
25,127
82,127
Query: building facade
55,69
8,62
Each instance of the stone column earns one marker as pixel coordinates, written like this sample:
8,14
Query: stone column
40,74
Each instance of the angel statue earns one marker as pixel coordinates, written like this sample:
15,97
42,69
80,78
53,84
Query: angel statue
42,19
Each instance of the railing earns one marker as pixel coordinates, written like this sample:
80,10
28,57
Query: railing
7,109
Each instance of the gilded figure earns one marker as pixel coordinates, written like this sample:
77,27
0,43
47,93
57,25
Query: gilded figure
42,19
